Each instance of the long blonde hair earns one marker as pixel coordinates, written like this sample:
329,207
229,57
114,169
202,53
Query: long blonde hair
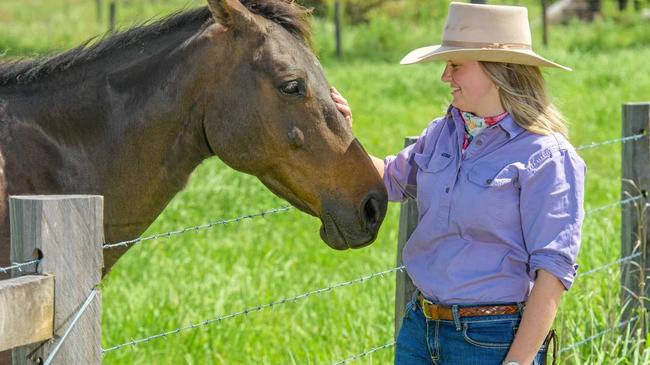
522,91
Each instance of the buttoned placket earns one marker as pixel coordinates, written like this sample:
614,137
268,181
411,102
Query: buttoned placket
444,208
478,145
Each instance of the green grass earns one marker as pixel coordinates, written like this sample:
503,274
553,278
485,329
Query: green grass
169,283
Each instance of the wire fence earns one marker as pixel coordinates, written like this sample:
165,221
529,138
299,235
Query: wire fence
199,324
599,334
197,228
591,145
17,266
255,308
365,353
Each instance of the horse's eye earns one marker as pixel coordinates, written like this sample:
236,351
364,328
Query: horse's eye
293,87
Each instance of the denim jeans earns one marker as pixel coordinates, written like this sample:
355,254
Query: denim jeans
482,340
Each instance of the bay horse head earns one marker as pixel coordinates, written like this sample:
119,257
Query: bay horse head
269,113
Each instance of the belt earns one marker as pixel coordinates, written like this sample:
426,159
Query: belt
441,312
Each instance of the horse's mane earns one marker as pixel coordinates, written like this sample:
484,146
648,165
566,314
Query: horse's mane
292,17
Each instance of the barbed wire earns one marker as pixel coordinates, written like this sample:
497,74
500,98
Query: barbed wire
621,260
365,353
591,338
196,228
18,266
612,205
610,141
253,309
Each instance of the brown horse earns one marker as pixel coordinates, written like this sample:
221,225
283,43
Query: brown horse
131,116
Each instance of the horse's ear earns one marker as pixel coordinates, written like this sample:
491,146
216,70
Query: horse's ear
230,12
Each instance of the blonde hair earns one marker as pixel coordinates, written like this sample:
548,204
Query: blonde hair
522,91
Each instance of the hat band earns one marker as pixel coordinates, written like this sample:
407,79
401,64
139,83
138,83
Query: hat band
486,45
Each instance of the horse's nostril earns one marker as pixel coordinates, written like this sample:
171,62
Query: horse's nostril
371,212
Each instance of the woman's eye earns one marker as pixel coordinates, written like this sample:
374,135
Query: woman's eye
293,87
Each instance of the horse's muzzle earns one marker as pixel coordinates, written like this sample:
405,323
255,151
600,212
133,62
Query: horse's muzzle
346,227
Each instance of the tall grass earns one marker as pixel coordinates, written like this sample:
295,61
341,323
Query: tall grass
169,283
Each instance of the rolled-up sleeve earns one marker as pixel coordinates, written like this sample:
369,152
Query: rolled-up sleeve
400,171
552,212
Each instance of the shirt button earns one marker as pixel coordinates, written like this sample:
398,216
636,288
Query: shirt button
479,142
446,189
488,181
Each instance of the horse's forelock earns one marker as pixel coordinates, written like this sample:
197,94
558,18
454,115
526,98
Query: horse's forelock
290,15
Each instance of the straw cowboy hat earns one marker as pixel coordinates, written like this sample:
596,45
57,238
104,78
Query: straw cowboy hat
494,33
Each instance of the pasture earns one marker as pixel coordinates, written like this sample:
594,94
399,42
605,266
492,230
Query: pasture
168,283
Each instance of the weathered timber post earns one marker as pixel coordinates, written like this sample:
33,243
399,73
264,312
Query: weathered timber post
408,219
112,9
337,29
634,232
67,233
544,23
99,7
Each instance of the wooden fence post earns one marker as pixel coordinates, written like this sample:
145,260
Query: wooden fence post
111,16
337,29
67,231
408,219
99,7
635,167
544,23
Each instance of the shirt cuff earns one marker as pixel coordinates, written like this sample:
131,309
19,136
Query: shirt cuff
556,265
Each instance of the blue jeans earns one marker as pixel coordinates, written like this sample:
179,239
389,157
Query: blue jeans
483,340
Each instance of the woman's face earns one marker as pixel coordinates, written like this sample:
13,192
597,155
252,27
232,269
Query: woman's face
471,89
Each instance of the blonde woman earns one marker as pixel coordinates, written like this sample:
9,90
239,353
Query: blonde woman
500,196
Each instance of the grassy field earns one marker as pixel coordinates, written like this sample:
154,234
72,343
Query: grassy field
173,282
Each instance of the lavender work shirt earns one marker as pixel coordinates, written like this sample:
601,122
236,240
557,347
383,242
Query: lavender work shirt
491,217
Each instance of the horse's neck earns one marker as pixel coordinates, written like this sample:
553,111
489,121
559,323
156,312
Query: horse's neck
132,134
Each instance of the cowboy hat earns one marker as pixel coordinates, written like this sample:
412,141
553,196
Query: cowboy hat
494,33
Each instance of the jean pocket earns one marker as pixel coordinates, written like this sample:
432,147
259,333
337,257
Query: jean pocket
490,335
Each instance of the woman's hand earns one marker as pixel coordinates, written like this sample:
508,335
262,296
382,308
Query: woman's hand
342,105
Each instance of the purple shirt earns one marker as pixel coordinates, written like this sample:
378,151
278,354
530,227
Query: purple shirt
489,218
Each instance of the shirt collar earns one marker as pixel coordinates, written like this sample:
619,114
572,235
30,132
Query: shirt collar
508,124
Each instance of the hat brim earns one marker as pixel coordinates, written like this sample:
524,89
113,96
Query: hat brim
445,53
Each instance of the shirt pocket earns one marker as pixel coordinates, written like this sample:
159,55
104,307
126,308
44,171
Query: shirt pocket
497,189
431,178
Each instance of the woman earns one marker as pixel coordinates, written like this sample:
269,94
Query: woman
500,196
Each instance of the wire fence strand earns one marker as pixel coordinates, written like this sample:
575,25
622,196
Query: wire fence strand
18,266
619,261
601,333
196,228
365,353
613,205
254,309
610,141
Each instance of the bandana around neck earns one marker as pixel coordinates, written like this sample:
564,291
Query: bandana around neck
475,124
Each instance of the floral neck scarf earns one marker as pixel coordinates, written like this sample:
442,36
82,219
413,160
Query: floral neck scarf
475,125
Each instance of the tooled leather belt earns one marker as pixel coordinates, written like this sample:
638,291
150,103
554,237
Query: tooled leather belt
441,312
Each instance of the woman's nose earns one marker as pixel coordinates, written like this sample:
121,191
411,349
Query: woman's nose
445,77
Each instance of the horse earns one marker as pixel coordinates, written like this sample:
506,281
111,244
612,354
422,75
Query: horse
131,115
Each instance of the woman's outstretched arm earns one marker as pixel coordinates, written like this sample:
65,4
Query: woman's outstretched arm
343,106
